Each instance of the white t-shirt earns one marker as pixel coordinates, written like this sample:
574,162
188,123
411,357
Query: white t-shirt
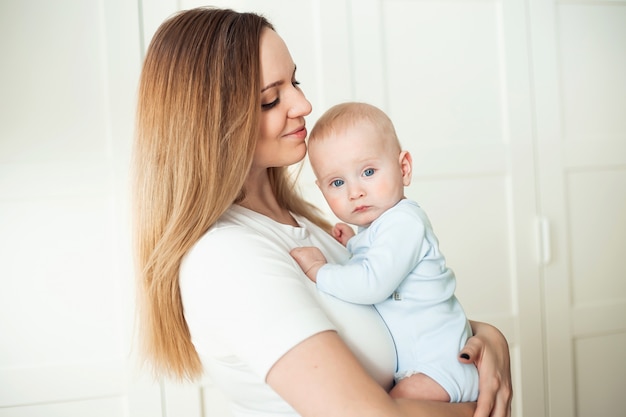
247,302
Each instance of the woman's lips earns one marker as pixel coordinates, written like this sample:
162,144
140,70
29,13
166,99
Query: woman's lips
299,133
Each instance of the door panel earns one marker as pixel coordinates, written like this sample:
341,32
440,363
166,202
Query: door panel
582,179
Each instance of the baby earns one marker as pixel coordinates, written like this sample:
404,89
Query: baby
396,263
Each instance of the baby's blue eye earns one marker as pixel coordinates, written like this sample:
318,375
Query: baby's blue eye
337,183
368,172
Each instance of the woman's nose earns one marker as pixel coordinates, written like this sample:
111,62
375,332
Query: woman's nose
300,106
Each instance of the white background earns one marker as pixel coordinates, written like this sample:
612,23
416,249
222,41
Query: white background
514,111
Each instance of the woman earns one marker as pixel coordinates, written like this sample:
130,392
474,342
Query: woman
220,118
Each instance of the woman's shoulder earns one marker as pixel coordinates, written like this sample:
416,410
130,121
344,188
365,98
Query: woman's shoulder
220,242
244,234
235,227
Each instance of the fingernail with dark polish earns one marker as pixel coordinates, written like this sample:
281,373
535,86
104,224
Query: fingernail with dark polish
465,356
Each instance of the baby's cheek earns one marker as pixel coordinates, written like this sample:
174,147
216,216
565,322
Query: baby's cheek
390,190
336,203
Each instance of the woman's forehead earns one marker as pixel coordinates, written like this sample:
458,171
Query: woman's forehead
276,61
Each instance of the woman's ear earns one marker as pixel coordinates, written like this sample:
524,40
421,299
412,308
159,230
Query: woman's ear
406,166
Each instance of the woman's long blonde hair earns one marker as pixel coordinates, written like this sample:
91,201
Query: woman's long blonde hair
198,118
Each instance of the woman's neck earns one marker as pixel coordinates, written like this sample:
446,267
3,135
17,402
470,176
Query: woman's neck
259,197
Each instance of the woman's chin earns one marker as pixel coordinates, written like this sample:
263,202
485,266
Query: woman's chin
300,156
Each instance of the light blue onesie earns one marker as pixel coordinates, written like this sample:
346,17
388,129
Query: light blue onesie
396,265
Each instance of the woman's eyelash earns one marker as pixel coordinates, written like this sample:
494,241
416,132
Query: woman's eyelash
268,106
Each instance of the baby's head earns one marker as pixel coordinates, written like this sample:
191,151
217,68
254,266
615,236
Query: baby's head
360,167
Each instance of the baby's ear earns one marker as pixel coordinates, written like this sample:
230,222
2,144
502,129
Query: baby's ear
406,166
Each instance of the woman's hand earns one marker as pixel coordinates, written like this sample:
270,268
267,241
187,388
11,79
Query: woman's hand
489,351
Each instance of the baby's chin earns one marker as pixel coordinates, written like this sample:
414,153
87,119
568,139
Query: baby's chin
363,219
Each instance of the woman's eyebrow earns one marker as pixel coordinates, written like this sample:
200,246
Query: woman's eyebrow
277,83
274,84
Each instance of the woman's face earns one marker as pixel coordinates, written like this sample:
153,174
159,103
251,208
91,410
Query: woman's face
283,107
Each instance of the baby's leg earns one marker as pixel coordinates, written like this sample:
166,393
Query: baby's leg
419,387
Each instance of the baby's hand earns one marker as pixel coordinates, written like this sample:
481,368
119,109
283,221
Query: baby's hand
310,259
343,233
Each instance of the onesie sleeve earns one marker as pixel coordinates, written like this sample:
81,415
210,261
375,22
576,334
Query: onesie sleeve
242,293
383,255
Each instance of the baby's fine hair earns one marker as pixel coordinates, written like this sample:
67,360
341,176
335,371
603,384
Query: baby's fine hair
342,116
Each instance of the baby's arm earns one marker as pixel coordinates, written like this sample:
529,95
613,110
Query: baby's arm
310,259
342,232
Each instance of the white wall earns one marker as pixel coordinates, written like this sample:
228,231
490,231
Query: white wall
513,111
69,72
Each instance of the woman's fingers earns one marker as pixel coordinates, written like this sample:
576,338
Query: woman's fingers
471,352
490,355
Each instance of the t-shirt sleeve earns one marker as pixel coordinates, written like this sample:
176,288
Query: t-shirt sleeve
382,258
243,293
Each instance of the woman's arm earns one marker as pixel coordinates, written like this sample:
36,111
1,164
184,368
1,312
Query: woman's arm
321,377
489,351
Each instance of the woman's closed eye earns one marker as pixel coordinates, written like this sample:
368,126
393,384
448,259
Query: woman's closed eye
267,106
272,104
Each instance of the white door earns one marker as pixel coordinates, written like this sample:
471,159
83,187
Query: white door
581,140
